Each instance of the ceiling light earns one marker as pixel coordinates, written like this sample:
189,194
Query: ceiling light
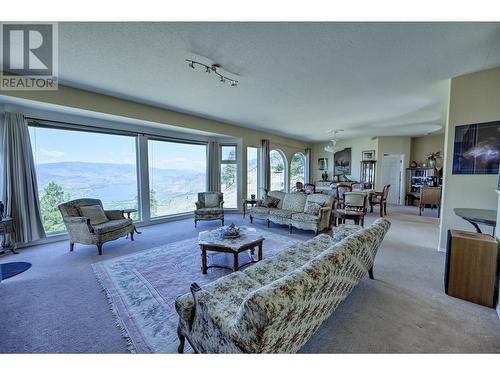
333,147
213,68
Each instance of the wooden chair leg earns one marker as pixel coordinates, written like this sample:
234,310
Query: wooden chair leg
381,210
370,273
385,208
195,223
251,220
99,248
222,221
268,223
182,340
71,246
132,235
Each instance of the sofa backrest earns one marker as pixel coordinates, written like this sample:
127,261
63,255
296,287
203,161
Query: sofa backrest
323,199
277,194
280,317
294,202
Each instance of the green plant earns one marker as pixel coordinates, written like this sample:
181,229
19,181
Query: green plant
53,195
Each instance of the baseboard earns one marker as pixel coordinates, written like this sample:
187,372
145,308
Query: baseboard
498,310
441,250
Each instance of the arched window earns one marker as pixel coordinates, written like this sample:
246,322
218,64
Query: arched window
297,169
278,170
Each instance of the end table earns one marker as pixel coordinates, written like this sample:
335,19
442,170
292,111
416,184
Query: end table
7,228
247,202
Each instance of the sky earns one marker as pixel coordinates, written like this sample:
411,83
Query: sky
55,145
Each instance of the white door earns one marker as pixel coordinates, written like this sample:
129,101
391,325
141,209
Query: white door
392,175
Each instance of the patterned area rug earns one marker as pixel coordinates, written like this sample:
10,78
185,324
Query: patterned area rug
142,288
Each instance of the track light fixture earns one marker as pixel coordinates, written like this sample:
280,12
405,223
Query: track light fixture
213,68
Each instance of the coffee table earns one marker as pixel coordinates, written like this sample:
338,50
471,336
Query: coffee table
246,242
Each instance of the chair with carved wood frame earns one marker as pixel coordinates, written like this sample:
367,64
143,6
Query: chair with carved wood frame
380,197
341,189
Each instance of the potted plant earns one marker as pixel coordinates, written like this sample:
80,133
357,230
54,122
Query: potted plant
432,157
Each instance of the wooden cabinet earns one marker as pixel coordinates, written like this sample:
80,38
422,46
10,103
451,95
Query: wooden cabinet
471,267
368,173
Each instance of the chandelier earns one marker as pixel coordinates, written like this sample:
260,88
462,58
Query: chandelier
212,69
333,147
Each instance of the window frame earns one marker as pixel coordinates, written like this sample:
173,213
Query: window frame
286,169
304,175
238,175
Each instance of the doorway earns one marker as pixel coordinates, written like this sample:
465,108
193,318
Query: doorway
392,174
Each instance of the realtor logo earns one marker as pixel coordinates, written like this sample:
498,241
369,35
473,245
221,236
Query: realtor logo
28,56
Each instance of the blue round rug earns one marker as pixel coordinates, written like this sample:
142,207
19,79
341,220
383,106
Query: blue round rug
13,269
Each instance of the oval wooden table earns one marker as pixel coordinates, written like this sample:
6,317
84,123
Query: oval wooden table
477,216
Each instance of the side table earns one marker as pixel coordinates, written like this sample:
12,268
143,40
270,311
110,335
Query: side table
129,211
7,228
247,202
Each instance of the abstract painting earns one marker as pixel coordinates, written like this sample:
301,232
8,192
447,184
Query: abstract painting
342,162
477,148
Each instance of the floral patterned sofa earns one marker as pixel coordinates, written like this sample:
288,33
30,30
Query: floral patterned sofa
292,210
276,305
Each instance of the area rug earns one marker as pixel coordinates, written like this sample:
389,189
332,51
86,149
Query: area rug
142,287
12,269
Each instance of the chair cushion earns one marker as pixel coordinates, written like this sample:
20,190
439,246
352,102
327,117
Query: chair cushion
209,211
95,213
281,213
277,194
313,208
111,226
344,230
259,210
305,217
270,202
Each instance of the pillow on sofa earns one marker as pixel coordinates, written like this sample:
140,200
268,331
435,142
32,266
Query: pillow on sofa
95,213
270,202
313,208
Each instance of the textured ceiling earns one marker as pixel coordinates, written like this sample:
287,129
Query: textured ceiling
296,79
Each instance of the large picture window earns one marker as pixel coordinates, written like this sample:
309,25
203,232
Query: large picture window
297,169
229,176
278,170
74,164
177,172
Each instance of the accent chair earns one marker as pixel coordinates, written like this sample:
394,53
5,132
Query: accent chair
209,207
89,224
380,198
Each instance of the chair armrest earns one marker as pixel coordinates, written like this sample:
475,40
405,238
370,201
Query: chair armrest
78,221
210,311
198,205
324,211
258,203
114,214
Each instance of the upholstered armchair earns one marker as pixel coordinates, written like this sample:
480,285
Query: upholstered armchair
89,224
209,207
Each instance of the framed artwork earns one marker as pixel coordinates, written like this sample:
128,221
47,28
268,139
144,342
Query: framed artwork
368,155
323,164
477,148
342,162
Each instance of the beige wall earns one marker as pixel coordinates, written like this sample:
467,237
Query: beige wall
497,234
357,145
421,147
474,98
93,102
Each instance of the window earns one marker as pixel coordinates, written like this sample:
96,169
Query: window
74,164
278,170
297,169
252,171
177,172
229,176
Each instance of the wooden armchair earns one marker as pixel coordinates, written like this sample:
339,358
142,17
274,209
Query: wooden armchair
341,190
380,197
430,196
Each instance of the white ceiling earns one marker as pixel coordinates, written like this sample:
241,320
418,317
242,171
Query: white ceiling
296,79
